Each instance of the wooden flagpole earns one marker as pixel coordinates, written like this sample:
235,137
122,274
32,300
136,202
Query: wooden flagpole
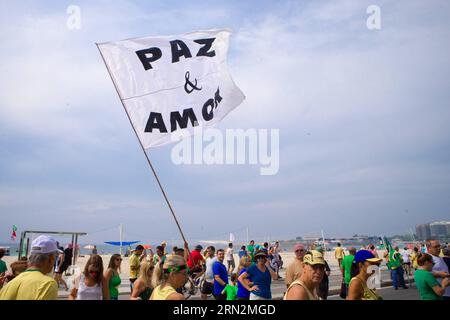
143,149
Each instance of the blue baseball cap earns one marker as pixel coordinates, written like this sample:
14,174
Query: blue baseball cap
365,255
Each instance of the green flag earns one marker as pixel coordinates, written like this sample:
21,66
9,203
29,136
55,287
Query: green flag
388,245
394,257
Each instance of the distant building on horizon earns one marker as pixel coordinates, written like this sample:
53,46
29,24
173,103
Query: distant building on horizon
437,229
423,231
440,229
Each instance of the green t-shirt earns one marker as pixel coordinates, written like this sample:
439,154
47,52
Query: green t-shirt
251,250
347,266
3,267
425,281
230,291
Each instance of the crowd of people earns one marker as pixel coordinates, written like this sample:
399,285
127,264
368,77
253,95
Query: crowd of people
164,275
428,263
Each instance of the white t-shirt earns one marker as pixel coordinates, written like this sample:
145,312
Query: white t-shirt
440,265
209,275
405,256
229,254
85,292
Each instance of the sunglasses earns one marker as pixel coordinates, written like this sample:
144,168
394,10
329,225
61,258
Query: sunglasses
175,269
300,250
119,259
317,267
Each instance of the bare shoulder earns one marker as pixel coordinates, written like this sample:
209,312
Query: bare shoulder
355,290
138,283
297,292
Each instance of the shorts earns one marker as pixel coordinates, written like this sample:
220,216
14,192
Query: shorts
242,298
231,263
407,263
207,288
131,283
63,268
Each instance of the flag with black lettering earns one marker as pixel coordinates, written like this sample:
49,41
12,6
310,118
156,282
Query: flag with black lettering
172,84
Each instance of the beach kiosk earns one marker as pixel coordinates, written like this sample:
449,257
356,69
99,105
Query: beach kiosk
24,246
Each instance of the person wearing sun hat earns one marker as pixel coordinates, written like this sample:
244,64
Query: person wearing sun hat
358,289
306,286
34,283
260,275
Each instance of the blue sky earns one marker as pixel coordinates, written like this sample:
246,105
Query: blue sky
363,118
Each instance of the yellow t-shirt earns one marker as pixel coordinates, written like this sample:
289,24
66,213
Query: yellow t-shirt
162,294
339,253
134,261
30,285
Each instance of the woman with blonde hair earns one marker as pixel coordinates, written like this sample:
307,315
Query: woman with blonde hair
260,275
167,277
142,288
243,293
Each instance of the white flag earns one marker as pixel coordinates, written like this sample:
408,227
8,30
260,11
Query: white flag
232,237
173,83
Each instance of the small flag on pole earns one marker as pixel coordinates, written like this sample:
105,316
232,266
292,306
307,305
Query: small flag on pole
13,234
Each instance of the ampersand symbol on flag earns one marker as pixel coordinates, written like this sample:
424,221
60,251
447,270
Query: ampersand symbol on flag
189,86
